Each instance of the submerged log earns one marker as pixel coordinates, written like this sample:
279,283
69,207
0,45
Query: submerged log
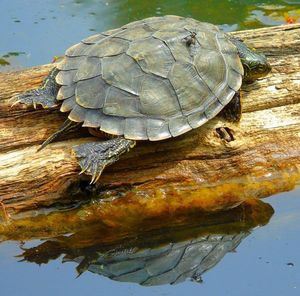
199,170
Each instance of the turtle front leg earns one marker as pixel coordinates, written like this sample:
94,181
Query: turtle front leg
45,95
233,110
95,156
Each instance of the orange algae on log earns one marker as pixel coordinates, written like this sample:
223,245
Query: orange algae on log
163,200
132,212
85,226
117,207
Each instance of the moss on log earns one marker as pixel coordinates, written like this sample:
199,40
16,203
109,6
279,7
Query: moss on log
199,170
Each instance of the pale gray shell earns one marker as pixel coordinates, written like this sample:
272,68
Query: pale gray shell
168,263
143,81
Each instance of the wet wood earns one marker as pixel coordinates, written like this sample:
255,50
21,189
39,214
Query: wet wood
83,228
203,169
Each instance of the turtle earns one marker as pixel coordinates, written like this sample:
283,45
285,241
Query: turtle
151,79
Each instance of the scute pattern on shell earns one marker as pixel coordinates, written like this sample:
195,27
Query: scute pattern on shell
143,81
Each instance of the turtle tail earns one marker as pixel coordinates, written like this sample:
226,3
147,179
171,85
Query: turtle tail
67,126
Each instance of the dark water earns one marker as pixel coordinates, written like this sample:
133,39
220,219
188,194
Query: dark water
267,260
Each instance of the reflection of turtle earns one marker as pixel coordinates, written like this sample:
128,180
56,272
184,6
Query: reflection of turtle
149,80
175,248
168,264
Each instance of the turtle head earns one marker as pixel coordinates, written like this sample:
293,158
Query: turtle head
255,64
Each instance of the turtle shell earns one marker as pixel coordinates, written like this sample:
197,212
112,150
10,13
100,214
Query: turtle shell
144,80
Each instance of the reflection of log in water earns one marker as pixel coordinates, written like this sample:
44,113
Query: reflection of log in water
158,256
199,170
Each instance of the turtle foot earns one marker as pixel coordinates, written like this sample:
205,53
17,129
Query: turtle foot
95,156
34,98
44,96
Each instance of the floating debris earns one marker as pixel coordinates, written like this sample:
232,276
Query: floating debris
13,54
291,264
289,19
4,62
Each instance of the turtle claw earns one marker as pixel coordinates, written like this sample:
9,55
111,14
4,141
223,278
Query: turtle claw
96,176
15,102
91,166
96,172
99,175
94,157
82,171
36,97
84,165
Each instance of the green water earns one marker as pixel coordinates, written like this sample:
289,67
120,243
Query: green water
38,30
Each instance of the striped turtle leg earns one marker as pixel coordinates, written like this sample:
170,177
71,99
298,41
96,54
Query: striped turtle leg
45,95
93,157
233,110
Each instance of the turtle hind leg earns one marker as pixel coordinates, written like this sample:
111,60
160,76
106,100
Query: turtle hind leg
45,95
233,110
93,157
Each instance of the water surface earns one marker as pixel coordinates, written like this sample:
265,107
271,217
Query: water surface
42,29
266,262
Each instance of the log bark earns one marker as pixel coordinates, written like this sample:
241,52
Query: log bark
198,170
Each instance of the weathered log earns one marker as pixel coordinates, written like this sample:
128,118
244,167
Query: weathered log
199,170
